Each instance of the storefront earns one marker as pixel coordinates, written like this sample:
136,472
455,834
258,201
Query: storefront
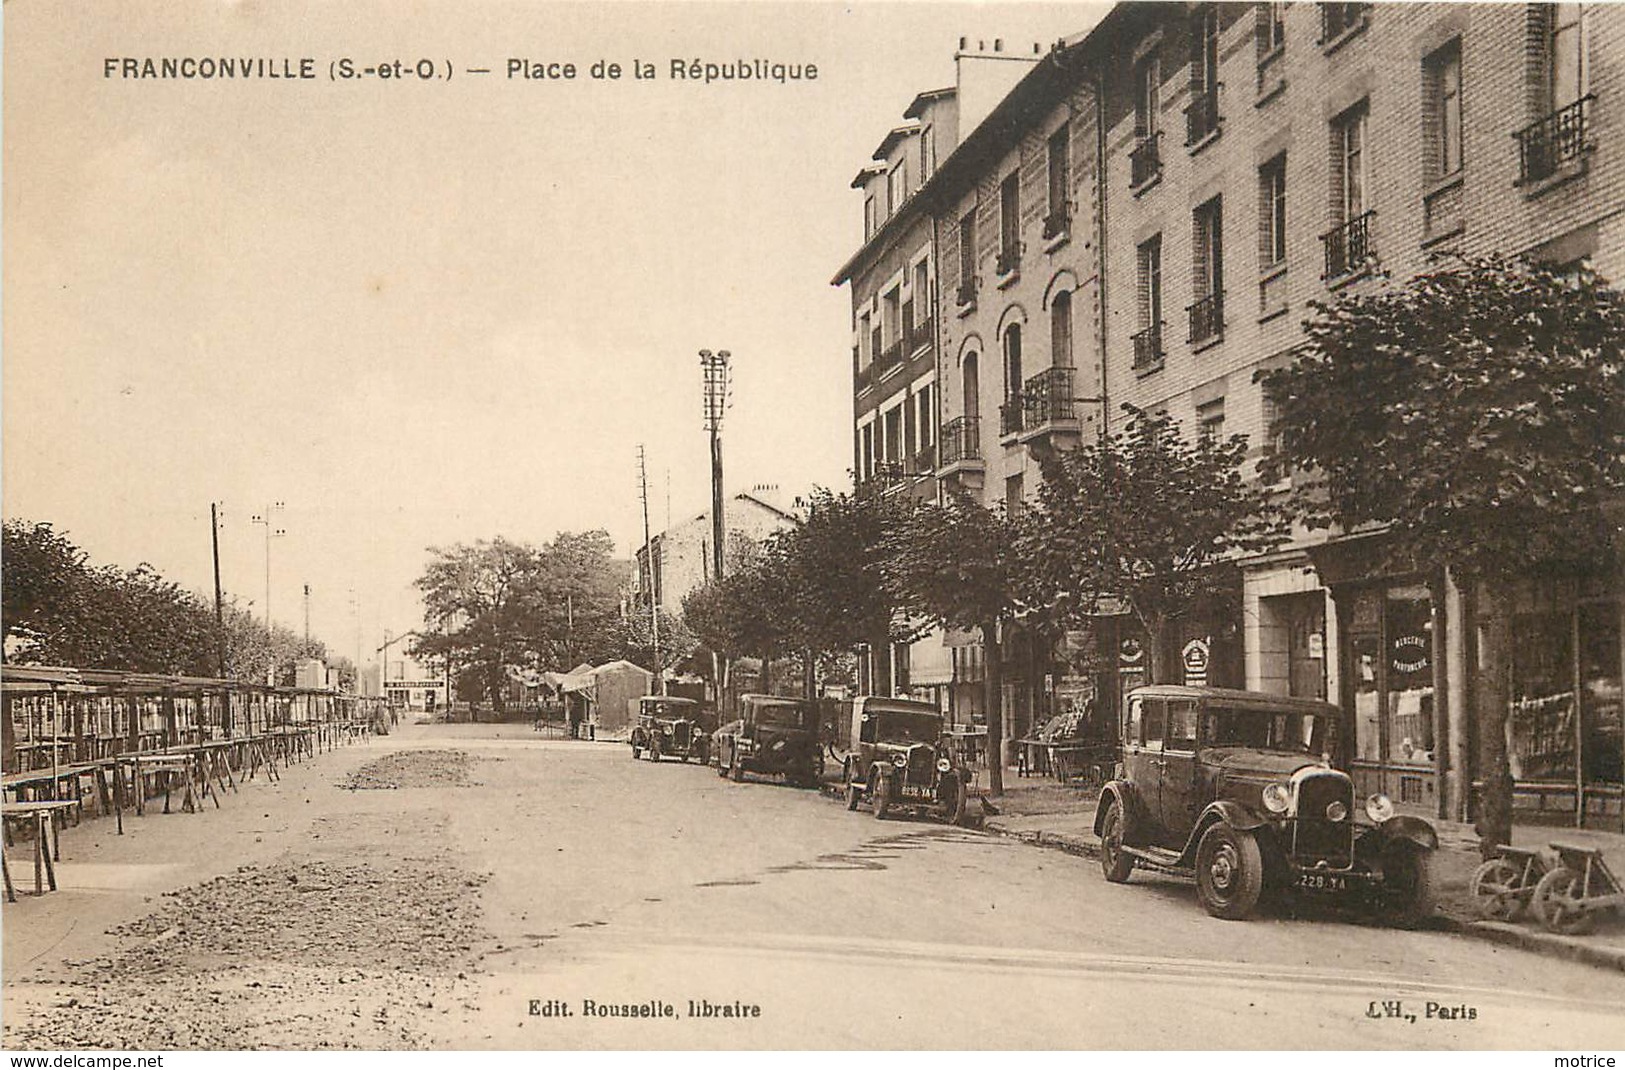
1564,739
1390,649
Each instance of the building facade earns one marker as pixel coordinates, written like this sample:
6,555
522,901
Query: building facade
681,554
1149,219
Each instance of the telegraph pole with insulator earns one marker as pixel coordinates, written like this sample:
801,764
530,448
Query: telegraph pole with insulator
717,394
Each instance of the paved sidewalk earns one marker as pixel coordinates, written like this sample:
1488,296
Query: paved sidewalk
1047,814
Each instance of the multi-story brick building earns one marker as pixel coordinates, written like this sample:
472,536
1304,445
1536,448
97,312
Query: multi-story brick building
1148,217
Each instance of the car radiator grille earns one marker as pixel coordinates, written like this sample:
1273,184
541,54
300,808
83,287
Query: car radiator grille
1314,838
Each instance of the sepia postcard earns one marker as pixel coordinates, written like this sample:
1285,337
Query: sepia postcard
742,524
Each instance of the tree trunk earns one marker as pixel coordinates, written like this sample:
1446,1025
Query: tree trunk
1155,656
1491,694
766,680
992,686
809,674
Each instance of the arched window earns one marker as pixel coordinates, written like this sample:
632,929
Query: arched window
1060,330
972,388
1012,360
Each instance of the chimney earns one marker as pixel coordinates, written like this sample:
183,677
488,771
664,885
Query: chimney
983,78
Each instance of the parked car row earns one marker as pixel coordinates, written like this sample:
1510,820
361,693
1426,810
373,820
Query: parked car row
1243,792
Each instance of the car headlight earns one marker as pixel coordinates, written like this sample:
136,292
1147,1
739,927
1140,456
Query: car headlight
1336,811
943,765
1379,808
899,760
1277,799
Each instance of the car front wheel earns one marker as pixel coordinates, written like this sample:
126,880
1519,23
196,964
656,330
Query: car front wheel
736,768
1407,872
881,792
722,768
1115,863
1229,872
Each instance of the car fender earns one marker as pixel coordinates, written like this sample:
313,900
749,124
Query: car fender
1231,813
1123,794
1411,829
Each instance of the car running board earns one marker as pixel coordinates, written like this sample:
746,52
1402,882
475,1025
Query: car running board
1159,857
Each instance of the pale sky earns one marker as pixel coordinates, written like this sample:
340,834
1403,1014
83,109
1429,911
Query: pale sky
428,312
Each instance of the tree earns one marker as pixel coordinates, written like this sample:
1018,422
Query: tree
957,564
1147,519
1473,415
576,606
480,600
831,569
45,571
637,640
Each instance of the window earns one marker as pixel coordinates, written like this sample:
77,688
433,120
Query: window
868,437
1014,495
1012,360
1153,722
1271,31
1210,420
1207,271
891,444
866,353
1148,342
1272,213
891,316
1181,734
926,416
928,153
897,187
1560,136
1060,330
967,258
1060,183
1348,244
1009,223
1566,52
1337,20
919,326
870,222
1202,113
1441,77
1145,162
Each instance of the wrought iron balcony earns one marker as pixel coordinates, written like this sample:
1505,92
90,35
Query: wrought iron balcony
889,358
1207,317
1349,246
1009,259
925,460
1048,398
1561,138
1010,414
1338,19
887,472
1058,222
966,293
1145,161
921,334
865,378
960,440
1148,347
1202,114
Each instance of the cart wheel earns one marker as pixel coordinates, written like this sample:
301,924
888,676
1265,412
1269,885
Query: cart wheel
1557,903
1494,889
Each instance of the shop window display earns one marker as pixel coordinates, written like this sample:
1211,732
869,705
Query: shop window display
1540,722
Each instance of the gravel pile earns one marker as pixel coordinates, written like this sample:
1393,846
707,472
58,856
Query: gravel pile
413,769
320,954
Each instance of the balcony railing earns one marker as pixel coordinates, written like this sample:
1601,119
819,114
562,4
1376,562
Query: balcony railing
925,460
1201,114
1145,162
1048,398
1349,246
1058,222
1338,19
1207,317
966,292
961,440
1009,259
1010,414
1148,347
887,473
921,334
1562,137
889,358
865,378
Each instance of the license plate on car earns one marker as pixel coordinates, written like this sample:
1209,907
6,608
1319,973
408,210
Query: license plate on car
1323,882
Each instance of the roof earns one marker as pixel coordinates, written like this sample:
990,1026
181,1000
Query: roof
893,136
870,170
917,108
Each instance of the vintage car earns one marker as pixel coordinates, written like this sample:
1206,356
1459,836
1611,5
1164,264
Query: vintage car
1243,791
667,725
773,735
898,760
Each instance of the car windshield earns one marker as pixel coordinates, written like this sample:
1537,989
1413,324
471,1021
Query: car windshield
668,710
1300,733
899,726
784,714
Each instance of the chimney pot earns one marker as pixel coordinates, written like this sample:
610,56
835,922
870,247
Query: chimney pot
963,41
998,44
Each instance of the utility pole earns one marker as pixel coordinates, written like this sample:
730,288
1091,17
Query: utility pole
649,564
355,607
219,602
307,614
264,519
717,394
